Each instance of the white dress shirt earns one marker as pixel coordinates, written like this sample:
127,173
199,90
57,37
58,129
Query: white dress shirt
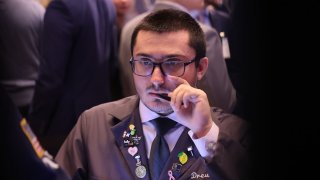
173,134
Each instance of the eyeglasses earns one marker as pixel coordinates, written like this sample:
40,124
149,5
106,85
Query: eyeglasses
171,66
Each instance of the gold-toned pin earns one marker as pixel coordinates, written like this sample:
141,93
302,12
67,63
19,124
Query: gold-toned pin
131,126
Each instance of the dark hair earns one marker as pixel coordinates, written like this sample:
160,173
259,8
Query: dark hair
170,20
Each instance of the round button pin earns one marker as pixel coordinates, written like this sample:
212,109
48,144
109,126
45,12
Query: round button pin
141,171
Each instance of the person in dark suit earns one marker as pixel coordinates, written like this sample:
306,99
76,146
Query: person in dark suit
22,156
78,58
116,140
213,17
220,20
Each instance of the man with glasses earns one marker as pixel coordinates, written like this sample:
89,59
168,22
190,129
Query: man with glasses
122,139
216,83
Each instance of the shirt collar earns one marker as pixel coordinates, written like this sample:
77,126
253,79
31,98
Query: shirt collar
146,114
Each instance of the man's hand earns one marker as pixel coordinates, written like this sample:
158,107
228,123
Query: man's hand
191,107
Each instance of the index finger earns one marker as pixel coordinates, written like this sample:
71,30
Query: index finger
177,80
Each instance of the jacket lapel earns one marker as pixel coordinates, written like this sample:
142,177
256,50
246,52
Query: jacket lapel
189,163
132,145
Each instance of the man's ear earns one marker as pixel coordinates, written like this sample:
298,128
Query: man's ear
202,68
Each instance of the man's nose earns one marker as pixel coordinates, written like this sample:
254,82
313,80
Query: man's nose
157,77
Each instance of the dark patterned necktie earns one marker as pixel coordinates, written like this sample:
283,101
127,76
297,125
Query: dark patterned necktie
159,150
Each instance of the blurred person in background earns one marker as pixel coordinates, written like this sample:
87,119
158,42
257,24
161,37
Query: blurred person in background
122,9
21,25
78,55
22,155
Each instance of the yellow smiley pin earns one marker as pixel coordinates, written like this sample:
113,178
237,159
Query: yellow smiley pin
183,157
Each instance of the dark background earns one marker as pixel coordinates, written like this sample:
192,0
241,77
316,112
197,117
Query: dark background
277,42
248,55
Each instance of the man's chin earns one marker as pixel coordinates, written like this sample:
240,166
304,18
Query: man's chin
162,108
164,114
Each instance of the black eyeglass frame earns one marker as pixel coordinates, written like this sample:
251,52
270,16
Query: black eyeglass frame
154,64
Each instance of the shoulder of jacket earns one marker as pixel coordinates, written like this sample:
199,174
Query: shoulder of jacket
119,109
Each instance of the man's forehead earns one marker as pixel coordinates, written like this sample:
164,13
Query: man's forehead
159,47
165,33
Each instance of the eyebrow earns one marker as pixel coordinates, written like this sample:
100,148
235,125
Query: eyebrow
163,57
